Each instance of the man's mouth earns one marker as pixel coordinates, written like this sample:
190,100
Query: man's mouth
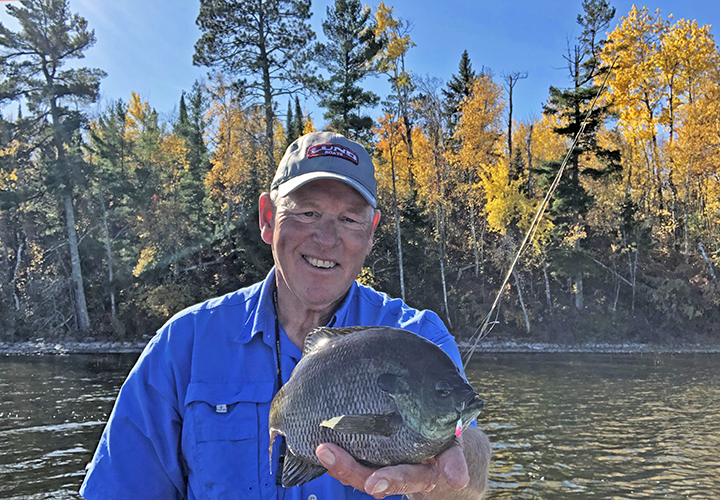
322,264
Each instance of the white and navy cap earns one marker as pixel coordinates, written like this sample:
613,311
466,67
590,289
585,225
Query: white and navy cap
326,155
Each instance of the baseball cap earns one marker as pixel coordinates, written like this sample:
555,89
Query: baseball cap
326,155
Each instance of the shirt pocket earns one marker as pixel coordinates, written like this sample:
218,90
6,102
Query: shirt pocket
222,431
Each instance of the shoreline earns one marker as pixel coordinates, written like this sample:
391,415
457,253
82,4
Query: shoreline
41,347
590,348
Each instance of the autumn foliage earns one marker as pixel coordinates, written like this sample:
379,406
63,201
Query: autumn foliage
166,209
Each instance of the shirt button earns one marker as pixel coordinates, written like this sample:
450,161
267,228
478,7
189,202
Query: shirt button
312,497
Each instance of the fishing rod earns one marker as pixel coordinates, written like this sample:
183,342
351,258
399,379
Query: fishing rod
484,329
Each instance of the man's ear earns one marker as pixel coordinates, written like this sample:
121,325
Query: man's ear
375,222
266,218
376,219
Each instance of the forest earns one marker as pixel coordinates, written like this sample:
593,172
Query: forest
111,221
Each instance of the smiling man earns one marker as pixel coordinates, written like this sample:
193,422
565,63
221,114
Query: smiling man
191,420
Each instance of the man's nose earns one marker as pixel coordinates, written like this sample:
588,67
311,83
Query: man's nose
326,232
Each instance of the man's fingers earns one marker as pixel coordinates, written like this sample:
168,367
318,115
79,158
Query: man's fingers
402,480
397,479
342,466
453,467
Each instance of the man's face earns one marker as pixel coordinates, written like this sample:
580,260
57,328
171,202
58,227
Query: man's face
320,235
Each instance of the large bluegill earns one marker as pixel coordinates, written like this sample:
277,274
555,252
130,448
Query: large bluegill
386,395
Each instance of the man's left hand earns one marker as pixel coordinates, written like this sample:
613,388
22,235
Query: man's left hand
449,466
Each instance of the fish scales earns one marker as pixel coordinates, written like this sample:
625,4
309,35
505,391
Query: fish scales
342,378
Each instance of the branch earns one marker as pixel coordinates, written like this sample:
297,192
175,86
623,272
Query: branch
611,271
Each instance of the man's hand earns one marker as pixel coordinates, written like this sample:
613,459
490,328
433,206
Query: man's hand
449,467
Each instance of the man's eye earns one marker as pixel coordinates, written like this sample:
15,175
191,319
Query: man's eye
309,214
350,220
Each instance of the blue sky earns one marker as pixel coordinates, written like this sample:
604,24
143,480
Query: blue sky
146,46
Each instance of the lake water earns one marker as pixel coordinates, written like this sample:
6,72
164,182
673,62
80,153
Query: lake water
563,426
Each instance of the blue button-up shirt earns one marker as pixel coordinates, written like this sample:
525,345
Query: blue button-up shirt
191,420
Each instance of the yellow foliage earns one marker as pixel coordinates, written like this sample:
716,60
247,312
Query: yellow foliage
236,135
139,113
309,125
394,154
398,42
546,145
8,179
146,260
480,128
427,170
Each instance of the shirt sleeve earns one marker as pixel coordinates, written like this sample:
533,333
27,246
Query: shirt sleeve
139,454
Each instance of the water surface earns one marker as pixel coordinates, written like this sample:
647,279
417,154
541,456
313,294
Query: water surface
563,426
580,426
52,412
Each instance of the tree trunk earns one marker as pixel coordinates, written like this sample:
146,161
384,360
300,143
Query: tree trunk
397,224
579,304
686,228
108,252
267,95
16,272
441,226
632,268
83,319
617,286
530,162
579,298
476,251
547,286
707,261
522,302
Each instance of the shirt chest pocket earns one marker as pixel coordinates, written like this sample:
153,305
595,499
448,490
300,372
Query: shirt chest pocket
222,434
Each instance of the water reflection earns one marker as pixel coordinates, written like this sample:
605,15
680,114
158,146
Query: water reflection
600,426
563,426
52,411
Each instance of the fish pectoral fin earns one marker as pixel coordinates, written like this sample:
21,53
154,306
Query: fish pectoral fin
297,470
382,425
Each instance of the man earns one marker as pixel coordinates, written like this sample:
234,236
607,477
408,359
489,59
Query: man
191,420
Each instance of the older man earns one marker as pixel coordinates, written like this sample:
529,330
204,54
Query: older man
191,420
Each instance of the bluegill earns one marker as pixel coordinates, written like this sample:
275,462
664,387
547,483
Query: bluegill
386,395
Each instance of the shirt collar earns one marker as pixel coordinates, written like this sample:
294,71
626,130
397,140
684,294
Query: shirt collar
262,319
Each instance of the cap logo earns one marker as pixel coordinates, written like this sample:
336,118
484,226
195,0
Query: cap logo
329,149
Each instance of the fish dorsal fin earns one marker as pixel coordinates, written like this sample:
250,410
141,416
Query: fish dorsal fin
320,336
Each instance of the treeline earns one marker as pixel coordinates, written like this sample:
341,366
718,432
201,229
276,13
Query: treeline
112,221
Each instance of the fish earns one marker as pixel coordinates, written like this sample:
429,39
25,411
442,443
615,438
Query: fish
385,395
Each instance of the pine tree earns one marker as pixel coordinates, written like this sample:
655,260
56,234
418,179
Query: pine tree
263,43
299,122
289,125
572,201
191,127
348,57
32,61
459,88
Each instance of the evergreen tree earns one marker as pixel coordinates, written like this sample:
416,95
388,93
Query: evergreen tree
459,88
299,122
32,61
262,43
289,125
348,57
191,127
572,201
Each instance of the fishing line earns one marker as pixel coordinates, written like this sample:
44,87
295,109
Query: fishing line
484,329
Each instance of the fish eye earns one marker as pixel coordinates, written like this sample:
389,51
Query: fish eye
443,388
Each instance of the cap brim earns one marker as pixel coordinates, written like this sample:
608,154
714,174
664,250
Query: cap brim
291,185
